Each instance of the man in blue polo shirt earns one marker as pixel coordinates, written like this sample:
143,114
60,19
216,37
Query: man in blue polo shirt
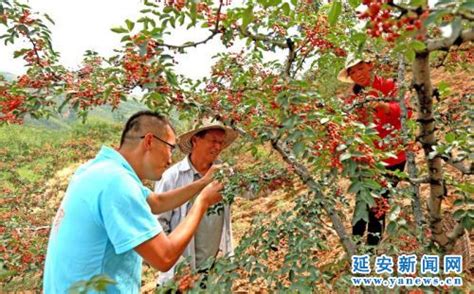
105,224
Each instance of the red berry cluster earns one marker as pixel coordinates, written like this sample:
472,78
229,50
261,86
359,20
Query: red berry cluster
367,158
456,57
381,207
322,44
41,80
408,243
316,37
381,20
279,30
235,98
334,140
178,4
10,106
25,18
36,56
280,182
139,69
85,87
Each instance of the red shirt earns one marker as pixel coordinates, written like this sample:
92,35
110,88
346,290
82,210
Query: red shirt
386,116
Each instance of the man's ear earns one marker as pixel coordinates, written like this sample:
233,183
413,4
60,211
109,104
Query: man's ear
147,141
193,140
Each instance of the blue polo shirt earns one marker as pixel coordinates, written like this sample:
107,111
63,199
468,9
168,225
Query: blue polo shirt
103,216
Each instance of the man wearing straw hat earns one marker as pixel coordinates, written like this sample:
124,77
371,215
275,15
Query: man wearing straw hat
386,116
202,147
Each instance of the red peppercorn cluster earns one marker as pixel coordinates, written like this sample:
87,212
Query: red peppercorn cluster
381,207
383,21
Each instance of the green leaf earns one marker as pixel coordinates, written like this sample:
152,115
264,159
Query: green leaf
130,24
468,5
298,148
247,16
416,3
418,45
444,88
456,24
125,38
458,202
107,92
171,78
119,30
324,120
272,3
355,187
49,18
334,12
354,3
468,223
193,13
410,54
19,53
286,8
450,137
391,228
458,214
366,196
345,156
361,212
372,184
142,49
433,17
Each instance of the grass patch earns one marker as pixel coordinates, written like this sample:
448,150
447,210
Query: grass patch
31,155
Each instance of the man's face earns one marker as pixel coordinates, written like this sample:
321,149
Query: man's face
209,146
361,73
161,153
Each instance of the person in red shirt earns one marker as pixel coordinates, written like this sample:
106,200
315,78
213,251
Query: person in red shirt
386,117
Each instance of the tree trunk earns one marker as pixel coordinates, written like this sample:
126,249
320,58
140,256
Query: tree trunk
423,87
411,165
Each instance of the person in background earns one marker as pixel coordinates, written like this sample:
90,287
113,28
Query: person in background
386,116
106,223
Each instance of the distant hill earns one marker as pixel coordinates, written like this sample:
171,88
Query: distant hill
7,75
103,113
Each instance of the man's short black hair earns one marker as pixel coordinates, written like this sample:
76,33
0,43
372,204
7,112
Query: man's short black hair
136,124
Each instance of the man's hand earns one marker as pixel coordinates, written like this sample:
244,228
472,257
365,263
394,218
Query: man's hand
210,194
209,176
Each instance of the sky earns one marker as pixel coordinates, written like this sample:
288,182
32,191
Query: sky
83,25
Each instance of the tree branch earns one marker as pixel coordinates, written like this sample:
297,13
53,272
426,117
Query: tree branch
457,36
291,57
465,15
262,38
455,234
308,180
215,31
457,163
368,100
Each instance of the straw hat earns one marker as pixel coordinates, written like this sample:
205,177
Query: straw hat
351,61
184,141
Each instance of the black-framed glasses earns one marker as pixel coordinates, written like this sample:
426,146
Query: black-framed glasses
172,146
